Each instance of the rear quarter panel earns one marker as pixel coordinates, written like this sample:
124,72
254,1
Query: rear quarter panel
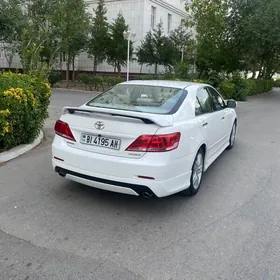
185,121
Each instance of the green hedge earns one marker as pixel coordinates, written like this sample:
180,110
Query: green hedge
239,89
24,104
276,83
54,77
93,82
234,88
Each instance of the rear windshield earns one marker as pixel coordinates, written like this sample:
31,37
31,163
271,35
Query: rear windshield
141,98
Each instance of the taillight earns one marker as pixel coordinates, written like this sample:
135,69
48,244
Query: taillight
155,143
62,129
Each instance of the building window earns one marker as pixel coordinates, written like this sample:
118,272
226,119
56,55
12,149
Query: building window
169,23
153,17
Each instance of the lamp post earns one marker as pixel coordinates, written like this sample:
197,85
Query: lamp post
128,35
182,52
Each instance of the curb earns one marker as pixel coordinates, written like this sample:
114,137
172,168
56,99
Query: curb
77,90
20,150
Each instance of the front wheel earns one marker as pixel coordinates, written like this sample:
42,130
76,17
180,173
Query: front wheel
232,136
197,174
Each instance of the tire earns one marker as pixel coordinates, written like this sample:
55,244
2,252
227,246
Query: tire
197,173
232,136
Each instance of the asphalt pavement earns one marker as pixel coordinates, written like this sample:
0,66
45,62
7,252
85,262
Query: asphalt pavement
51,228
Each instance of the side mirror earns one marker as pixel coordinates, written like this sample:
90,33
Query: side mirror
231,104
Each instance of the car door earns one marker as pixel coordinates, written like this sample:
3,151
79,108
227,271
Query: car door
209,121
224,114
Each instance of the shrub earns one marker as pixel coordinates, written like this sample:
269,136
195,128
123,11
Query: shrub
214,79
227,89
181,69
91,81
201,81
54,77
239,89
111,80
276,83
86,79
24,104
252,85
145,77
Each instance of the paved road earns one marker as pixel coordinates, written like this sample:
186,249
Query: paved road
54,229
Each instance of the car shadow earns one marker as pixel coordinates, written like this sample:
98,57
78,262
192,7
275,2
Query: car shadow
109,201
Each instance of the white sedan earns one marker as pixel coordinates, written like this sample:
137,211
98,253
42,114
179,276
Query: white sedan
145,137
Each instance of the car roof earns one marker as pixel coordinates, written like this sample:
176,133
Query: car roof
162,83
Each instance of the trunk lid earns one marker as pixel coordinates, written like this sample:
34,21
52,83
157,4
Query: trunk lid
110,131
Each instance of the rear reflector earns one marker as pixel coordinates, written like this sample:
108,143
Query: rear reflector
62,129
57,158
146,177
155,143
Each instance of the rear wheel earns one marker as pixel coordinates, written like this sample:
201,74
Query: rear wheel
197,174
232,136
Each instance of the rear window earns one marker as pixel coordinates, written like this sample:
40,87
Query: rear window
139,98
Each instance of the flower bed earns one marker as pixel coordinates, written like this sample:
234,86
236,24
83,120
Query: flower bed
24,104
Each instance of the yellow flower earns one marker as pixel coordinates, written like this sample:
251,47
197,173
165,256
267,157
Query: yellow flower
47,85
16,93
5,113
6,129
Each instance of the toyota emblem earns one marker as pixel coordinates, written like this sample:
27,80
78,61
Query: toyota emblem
99,125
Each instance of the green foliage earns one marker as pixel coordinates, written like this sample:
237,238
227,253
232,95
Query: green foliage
237,35
99,31
24,107
38,43
54,77
111,81
11,19
12,22
117,46
184,50
156,49
210,21
181,69
276,83
239,89
72,21
144,77
94,81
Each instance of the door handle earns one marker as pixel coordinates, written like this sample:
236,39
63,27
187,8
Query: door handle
205,124
222,118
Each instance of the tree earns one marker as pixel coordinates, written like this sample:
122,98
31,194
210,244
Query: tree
237,35
73,22
156,49
214,53
38,43
117,46
11,17
99,35
255,32
181,38
11,26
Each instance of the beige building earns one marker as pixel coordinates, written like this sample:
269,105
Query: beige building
140,15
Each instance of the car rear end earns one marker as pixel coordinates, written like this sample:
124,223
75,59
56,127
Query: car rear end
121,150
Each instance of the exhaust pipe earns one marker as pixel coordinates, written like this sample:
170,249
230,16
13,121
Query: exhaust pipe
61,174
147,195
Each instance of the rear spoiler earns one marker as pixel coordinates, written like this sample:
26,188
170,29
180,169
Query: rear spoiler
161,120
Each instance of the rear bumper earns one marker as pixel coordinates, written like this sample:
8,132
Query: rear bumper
120,187
121,174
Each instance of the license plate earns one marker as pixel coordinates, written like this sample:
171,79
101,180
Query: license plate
101,141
